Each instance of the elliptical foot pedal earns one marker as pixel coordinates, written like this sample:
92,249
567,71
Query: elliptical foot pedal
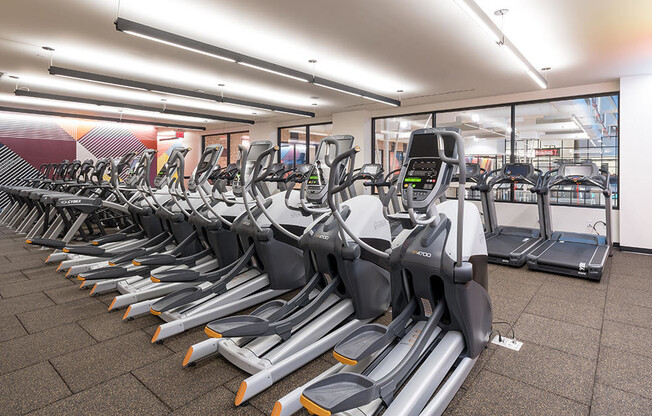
175,276
338,393
361,343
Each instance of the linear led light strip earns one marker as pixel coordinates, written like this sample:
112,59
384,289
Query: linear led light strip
476,13
172,39
100,118
121,82
34,94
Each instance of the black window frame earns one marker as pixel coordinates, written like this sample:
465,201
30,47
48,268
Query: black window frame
512,155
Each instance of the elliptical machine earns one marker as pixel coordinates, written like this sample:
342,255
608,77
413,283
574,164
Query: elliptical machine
440,305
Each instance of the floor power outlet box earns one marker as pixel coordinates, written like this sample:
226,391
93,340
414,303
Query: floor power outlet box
510,343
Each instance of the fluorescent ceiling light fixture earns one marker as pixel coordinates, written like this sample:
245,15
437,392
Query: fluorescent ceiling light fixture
140,35
121,82
161,36
99,118
332,85
478,15
272,71
56,97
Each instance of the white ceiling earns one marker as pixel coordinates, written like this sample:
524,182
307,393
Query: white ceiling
430,49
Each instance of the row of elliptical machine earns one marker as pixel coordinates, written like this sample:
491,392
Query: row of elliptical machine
346,287
272,263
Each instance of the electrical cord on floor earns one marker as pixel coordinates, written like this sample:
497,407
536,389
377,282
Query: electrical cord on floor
598,222
511,327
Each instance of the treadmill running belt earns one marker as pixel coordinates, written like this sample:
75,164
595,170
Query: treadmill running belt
568,255
503,244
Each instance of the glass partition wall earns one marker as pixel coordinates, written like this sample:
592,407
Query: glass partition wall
544,133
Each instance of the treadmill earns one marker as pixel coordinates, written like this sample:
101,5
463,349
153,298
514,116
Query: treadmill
575,254
506,244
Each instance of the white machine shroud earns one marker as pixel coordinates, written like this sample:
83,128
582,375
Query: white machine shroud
473,239
282,214
366,219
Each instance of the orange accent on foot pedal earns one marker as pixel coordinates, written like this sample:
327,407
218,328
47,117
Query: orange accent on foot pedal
58,267
136,263
276,411
93,289
186,359
111,305
65,250
82,284
95,243
157,313
241,392
126,313
343,359
158,330
154,279
80,278
28,241
212,333
313,408
111,264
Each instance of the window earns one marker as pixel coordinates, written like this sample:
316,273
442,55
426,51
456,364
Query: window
391,136
583,129
545,133
487,134
222,139
229,142
235,140
298,144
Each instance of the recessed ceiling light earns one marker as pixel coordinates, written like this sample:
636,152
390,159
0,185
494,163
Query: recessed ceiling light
400,91
547,68
47,48
501,12
313,61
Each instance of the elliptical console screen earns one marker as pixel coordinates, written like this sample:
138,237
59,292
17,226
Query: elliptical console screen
517,170
422,173
424,145
316,177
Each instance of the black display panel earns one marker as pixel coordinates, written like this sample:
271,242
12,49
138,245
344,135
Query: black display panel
517,170
424,145
422,173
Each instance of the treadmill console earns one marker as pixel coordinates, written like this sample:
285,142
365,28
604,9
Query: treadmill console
370,169
515,170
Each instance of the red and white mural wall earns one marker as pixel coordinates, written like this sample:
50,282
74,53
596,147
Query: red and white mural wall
27,141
